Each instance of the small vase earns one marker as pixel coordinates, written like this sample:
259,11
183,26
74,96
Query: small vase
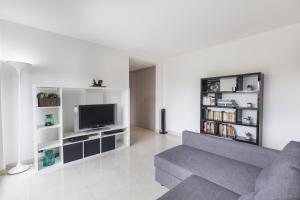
49,120
49,158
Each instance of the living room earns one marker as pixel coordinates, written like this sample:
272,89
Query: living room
223,106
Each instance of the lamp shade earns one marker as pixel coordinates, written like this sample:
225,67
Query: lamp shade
19,65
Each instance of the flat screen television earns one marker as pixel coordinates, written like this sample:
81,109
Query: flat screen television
94,116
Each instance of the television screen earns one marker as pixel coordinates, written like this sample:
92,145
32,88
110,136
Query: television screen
98,115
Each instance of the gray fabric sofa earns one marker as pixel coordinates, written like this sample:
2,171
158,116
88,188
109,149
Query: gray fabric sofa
211,168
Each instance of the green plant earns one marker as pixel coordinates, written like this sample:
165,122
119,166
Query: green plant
41,95
52,96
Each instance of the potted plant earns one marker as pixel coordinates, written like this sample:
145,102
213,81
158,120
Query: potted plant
48,99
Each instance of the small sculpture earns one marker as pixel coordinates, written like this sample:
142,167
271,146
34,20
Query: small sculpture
248,136
248,120
97,84
249,105
249,87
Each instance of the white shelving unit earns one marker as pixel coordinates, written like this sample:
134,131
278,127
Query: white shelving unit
47,137
55,137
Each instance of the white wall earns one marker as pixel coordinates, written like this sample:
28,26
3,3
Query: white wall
275,53
1,132
57,60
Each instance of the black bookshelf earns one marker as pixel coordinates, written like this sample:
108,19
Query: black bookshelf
242,84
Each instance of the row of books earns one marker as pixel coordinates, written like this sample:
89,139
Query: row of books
224,130
209,100
227,130
227,103
220,115
210,127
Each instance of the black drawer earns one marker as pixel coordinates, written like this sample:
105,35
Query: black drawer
73,152
108,143
91,147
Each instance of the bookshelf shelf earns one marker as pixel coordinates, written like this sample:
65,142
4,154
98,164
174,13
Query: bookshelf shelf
223,110
243,139
227,107
233,123
231,92
48,107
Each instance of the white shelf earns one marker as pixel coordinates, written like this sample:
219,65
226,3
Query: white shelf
49,145
48,107
43,127
72,134
115,134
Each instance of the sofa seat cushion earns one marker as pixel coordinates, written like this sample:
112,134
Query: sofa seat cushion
183,161
197,188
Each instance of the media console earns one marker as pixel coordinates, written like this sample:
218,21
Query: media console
65,142
77,146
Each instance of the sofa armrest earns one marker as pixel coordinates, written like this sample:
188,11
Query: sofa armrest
247,153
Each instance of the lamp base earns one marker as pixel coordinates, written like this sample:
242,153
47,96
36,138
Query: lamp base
19,168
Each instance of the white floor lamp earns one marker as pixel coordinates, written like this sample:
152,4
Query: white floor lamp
19,168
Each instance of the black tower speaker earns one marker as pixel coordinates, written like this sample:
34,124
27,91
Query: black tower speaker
163,122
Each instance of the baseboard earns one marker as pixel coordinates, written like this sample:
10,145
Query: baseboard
170,132
2,172
175,133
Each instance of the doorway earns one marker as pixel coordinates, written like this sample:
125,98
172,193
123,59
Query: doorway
142,82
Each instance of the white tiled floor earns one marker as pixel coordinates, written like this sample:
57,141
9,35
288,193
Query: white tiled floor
124,174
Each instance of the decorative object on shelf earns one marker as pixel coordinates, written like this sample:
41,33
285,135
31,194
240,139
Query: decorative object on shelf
49,120
48,99
97,83
213,86
249,87
249,105
248,120
49,158
248,136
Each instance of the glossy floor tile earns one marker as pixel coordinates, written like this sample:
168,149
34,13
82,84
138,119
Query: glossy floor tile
123,174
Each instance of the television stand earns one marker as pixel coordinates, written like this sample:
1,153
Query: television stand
110,132
78,146
96,129
66,144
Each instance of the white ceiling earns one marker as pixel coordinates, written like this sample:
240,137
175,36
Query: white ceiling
160,28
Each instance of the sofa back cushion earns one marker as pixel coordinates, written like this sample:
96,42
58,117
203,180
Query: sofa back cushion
281,180
247,153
